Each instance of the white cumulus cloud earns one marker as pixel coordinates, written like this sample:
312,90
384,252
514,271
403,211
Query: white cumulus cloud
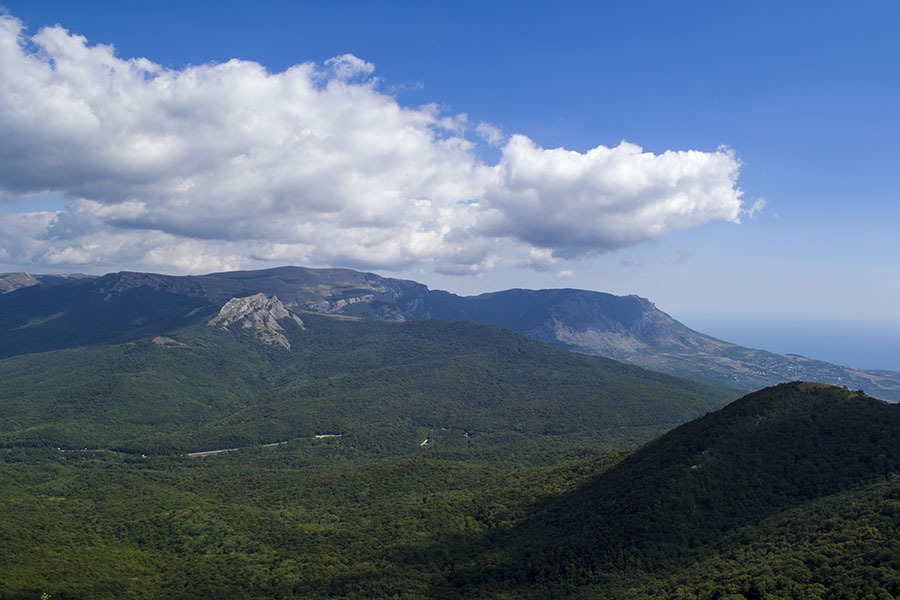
227,165
606,198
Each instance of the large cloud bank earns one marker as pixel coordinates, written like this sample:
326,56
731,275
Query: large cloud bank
227,165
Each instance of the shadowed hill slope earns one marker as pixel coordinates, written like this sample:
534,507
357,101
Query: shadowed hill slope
674,500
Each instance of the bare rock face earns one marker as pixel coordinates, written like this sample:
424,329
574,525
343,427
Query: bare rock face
260,313
10,282
14,281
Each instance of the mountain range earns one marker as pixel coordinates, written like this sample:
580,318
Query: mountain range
14,281
298,433
126,305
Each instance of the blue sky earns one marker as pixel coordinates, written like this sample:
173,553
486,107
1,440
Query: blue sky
803,95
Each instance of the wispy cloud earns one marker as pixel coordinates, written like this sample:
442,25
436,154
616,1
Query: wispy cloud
490,133
228,165
756,208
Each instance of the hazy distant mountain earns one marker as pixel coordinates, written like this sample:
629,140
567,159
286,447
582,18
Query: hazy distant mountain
14,281
126,305
632,329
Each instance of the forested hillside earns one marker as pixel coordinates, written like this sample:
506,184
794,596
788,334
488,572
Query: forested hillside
378,383
270,453
361,443
69,312
729,484
795,495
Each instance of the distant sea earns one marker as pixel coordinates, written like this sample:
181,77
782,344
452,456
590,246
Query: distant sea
864,345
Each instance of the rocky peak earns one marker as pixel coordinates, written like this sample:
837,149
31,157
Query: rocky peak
14,281
260,313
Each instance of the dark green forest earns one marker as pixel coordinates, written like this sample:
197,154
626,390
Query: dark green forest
378,383
462,461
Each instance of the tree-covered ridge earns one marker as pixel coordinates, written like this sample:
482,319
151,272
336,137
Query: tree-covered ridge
795,494
127,306
205,388
92,311
842,546
327,519
672,501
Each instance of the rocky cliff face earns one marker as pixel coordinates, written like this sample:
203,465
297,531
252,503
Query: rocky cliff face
259,313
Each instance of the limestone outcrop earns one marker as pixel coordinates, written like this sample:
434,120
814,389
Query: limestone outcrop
261,314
